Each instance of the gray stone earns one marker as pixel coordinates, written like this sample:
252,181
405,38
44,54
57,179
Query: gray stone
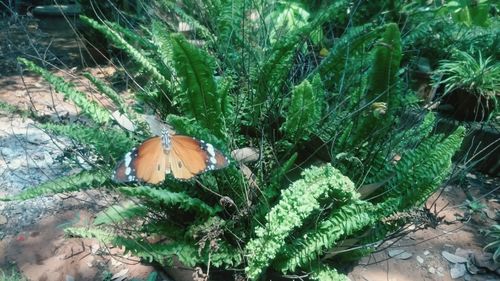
420,259
400,254
453,258
457,270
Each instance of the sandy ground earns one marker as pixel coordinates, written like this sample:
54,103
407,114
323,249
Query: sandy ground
31,232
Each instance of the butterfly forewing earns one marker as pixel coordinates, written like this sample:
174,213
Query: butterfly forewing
190,157
147,163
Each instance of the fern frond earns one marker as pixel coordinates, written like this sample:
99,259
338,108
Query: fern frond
226,100
8,108
91,108
296,204
131,36
228,22
139,247
200,29
382,90
383,75
226,255
108,91
195,67
404,141
168,198
304,112
189,126
118,213
186,253
110,144
135,54
325,273
342,221
421,171
277,177
271,75
354,42
81,181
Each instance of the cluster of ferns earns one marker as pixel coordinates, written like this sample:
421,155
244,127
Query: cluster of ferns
320,137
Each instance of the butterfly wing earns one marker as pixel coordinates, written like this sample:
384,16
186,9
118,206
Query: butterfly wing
146,163
189,157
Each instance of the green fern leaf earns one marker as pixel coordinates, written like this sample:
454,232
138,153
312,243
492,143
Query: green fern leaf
296,204
304,112
168,198
81,181
342,222
383,75
338,62
110,144
324,273
161,253
135,54
94,110
195,68
118,213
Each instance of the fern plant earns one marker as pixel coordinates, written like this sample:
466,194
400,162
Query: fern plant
284,211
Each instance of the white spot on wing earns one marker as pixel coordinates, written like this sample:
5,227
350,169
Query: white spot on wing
210,150
128,159
127,171
213,160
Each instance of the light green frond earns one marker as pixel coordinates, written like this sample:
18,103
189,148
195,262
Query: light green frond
91,108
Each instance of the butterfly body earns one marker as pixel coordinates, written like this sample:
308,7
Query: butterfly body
182,156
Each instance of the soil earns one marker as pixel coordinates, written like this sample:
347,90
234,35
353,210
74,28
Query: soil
32,239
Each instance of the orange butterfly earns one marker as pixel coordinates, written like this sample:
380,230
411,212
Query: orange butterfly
182,156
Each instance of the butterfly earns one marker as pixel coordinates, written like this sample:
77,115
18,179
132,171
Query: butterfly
182,156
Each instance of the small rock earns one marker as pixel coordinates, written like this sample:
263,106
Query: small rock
400,254
94,248
123,121
464,253
7,152
364,261
471,176
471,268
246,154
115,263
432,270
457,271
453,258
3,219
491,213
420,259
486,260
426,253
448,247
122,275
